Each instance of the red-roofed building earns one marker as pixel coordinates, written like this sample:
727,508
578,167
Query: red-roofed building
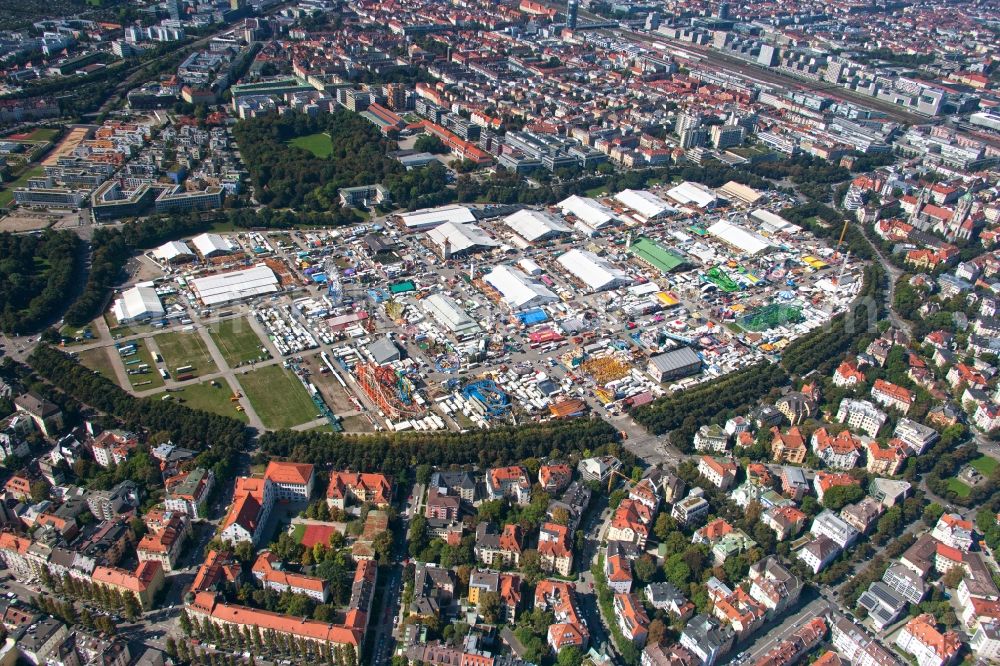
848,374
163,542
569,629
887,461
720,473
144,582
362,488
267,569
219,568
826,480
631,522
555,549
788,447
554,478
712,532
632,619
891,395
14,553
292,481
512,482
252,501
921,639
840,451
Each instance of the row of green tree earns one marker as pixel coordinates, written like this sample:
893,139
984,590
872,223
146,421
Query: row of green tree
396,453
684,412
218,439
36,277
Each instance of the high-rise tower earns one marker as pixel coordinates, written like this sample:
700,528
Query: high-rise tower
572,9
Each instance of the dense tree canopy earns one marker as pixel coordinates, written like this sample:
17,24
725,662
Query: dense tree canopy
36,274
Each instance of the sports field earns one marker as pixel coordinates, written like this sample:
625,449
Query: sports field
309,535
180,349
236,340
278,397
319,145
209,398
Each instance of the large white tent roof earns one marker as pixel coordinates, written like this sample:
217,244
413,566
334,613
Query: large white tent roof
209,244
460,237
591,212
692,193
431,217
235,285
534,225
518,290
592,270
773,222
137,303
739,238
172,250
645,203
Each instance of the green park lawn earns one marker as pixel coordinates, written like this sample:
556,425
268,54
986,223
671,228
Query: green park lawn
7,193
179,349
985,465
209,398
318,144
237,341
959,488
278,397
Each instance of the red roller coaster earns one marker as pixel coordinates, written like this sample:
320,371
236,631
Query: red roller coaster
390,391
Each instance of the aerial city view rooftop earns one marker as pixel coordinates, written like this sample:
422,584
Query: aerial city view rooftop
499,333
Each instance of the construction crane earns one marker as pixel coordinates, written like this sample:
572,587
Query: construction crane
613,474
843,233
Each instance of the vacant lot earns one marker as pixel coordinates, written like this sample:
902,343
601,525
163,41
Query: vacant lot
210,397
336,396
180,349
278,397
319,145
236,340
98,359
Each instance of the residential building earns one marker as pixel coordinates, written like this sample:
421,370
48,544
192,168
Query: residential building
789,447
885,461
720,473
668,655
861,415
857,645
269,571
823,481
512,482
598,469
47,416
818,553
832,526
555,549
786,521
916,436
862,515
462,484
690,510
985,641
645,492
892,395
347,487
163,541
145,582
499,550
252,502
883,604
921,639
952,530
707,639
569,629
773,586
907,584
712,438
188,492
632,619
847,375
555,478
631,522
666,597
840,451
618,566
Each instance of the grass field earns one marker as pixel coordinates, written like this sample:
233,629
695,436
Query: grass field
278,397
236,340
959,488
985,465
43,134
98,359
7,194
180,349
145,356
319,145
209,398
298,532
71,332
